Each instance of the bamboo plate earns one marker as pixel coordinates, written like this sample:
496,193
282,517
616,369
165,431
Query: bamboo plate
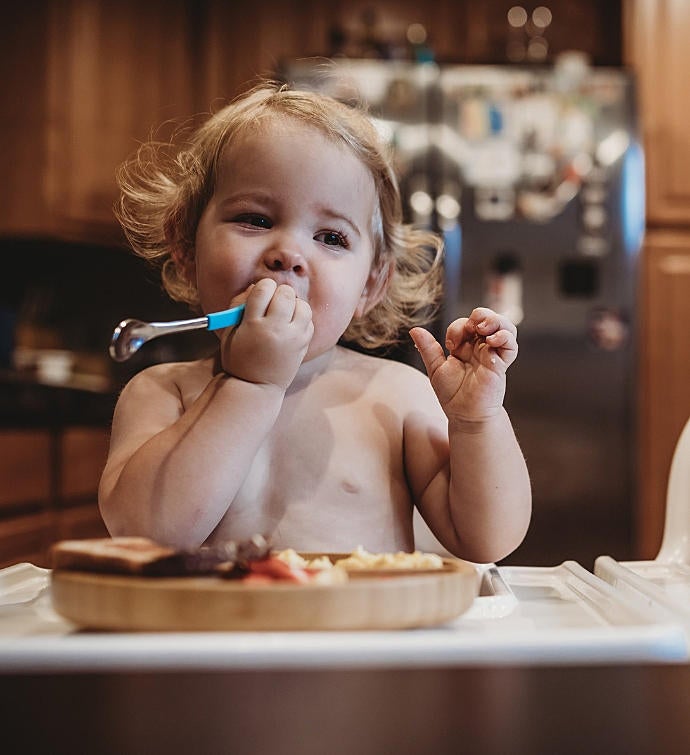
370,600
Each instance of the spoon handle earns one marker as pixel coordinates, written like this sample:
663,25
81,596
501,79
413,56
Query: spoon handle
226,318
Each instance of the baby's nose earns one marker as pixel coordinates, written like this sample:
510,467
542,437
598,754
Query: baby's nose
284,260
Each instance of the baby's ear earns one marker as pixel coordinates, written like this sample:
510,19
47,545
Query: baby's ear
375,288
185,262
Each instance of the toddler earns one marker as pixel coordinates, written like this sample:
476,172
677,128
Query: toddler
287,201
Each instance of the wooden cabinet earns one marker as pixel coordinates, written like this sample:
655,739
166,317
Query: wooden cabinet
23,35
656,48
26,538
243,41
664,374
91,79
83,453
25,469
48,489
114,72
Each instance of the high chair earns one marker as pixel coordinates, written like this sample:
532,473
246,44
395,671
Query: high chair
675,545
664,582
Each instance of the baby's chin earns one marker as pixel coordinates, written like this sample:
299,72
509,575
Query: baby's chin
319,348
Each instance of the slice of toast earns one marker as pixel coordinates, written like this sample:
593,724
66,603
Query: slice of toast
145,557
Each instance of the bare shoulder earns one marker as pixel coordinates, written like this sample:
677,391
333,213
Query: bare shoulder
398,382
176,381
154,399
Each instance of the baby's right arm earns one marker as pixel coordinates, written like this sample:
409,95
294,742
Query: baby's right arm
172,473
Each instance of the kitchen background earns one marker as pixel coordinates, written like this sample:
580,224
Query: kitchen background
600,392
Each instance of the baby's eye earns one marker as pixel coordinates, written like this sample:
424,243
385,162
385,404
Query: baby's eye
258,221
332,238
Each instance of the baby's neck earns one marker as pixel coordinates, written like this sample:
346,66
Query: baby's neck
312,368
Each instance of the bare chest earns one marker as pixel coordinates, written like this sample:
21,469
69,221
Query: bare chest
329,477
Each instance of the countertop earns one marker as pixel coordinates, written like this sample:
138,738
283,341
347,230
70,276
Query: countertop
27,401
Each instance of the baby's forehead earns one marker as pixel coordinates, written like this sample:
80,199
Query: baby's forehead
272,128
274,125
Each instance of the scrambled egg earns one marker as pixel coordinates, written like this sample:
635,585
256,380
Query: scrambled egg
362,559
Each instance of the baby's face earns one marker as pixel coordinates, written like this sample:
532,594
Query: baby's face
292,206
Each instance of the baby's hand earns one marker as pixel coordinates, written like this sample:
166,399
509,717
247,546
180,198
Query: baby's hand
268,346
470,380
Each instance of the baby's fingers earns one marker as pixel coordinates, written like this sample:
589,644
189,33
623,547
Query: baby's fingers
485,321
303,313
504,344
429,349
282,304
258,299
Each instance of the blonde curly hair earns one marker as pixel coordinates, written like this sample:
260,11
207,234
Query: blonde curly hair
165,188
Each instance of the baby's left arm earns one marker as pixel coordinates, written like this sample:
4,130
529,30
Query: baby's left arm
479,503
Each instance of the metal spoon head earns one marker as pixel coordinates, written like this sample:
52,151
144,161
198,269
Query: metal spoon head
126,339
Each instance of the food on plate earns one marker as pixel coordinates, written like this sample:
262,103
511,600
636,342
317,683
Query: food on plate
144,557
292,558
252,561
320,570
296,569
362,559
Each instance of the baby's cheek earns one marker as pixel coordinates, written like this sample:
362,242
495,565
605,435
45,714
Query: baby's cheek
328,325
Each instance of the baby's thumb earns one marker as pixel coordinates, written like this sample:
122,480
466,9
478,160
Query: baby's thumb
429,349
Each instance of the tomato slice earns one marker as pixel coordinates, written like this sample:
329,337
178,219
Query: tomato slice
278,570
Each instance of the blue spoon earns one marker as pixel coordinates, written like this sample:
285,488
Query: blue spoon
130,335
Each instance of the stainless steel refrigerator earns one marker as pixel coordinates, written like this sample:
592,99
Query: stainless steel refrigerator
535,177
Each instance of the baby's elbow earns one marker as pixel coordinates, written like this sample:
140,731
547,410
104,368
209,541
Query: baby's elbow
490,550
492,554
507,543
106,510
117,514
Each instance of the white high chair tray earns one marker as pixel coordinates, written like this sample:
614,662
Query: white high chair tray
664,586
663,583
523,615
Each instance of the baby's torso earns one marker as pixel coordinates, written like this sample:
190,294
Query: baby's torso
330,476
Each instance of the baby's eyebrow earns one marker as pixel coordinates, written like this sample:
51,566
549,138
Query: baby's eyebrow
336,215
246,197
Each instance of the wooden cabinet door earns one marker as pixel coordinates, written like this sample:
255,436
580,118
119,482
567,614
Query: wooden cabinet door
84,451
23,35
243,41
664,374
656,34
26,469
27,473
115,72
